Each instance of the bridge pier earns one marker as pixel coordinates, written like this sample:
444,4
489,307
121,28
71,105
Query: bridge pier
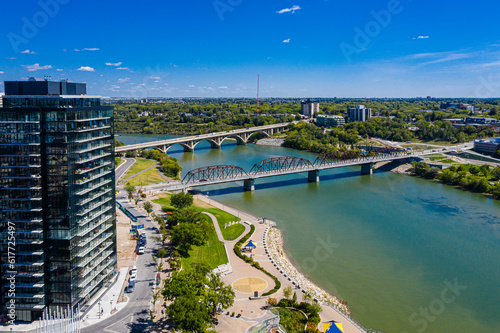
214,145
313,176
367,169
249,185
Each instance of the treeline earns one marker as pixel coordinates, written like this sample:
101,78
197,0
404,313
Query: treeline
469,177
399,130
309,137
197,117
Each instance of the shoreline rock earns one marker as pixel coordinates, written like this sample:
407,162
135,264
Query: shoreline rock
274,240
270,142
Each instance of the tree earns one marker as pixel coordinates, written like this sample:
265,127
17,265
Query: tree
432,173
181,200
420,168
474,170
186,235
186,215
130,188
148,206
162,253
485,169
287,292
496,173
196,297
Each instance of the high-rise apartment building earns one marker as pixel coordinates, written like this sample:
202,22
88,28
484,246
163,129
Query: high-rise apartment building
360,113
57,196
309,108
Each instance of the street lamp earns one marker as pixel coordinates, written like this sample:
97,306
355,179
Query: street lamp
111,305
99,309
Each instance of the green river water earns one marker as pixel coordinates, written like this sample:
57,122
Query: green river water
390,245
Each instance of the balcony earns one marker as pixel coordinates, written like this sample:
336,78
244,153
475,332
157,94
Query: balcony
94,138
95,233
104,274
91,148
91,119
95,196
83,171
23,177
93,158
17,295
95,264
82,224
27,285
96,271
91,128
82,192
92,245
86,180
89,208
98,251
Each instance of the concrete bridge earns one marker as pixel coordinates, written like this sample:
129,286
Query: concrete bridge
278,166
215,139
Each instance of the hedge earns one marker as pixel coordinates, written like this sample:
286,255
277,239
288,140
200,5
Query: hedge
237,246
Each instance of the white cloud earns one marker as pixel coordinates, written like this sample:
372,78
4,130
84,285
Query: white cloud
154,77
36,67
191,86
124,80
288,10
28,52
421,37
11,58
125,68
64,50
87,49
1,72
86,69
116,64
286,40
59,70
223,87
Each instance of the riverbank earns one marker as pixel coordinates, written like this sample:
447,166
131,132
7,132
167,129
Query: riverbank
271,142
275,246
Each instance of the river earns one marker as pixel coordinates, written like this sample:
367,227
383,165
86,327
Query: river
395,243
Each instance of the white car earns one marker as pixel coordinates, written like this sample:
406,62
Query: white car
133,270
132,278
141,250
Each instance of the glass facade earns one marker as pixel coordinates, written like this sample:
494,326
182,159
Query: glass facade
57,201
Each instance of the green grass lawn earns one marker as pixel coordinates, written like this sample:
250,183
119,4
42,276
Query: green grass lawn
212,252
118,161
151,176
139,165
229,233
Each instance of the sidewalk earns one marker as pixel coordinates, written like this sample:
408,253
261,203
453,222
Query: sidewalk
107,302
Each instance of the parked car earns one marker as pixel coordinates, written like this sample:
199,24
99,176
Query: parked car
133,270
141,250
130,287
133,274
132,278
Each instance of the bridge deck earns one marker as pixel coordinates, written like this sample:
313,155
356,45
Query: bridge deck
258,175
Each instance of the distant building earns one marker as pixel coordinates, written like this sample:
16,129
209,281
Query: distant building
477,122
448,105
487,145
309,108
326,120
360,113
1,99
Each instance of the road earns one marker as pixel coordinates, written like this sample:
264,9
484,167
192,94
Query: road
135,316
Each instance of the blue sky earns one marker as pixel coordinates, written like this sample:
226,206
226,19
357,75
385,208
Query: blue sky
216,48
